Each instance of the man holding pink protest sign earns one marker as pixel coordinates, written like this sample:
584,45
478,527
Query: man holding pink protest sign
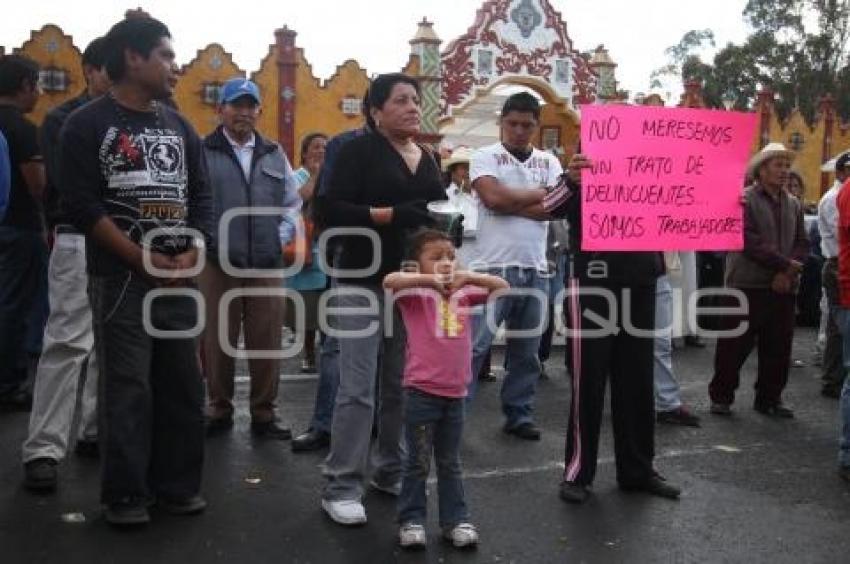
767,272
660,179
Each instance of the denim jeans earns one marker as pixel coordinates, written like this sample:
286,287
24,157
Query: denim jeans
554,285
842,319
23,260
518,312
150,405
323,410
667,392
432,423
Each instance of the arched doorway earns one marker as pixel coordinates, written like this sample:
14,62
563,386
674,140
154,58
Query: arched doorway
476,123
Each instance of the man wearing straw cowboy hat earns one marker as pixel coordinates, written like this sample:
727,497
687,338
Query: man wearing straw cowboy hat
767,272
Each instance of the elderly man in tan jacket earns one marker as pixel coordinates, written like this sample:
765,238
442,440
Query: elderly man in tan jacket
767,271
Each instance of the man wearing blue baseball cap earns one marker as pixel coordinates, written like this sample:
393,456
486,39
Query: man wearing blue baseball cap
246,170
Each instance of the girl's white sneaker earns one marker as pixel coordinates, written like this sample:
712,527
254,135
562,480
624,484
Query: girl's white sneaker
412,535
462,535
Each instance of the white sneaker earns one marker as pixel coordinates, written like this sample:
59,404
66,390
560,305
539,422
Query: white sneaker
412,535
394,490
345,511
462,535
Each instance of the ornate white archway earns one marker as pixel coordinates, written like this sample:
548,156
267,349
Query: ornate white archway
515,41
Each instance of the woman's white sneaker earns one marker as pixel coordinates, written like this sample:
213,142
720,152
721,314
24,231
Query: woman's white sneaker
462,535
345,511
412,535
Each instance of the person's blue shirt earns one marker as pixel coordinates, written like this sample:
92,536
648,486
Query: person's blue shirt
5,176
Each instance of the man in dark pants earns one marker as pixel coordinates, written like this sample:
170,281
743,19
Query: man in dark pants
318,434
131,164
620,349
767,272
598,281
23,252
833,368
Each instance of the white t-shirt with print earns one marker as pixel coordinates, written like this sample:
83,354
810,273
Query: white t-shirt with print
509,240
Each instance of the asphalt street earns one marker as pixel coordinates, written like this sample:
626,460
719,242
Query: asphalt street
755,490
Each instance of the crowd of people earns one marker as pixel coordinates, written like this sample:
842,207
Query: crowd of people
170,256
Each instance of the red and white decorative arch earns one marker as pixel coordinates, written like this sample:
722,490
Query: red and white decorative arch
515,39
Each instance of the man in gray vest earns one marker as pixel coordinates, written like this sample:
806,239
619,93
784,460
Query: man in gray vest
245,170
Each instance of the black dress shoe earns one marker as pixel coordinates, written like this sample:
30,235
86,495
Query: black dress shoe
488,376
694,341
777,411
87,448
311,439
656,485
678,416
830,392
16,400
573,493
527,431
270,430
188,506
127,514
218,425
40,475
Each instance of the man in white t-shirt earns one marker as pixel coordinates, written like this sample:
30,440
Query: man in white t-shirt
509,177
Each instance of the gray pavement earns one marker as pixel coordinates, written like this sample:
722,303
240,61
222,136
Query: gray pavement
756,490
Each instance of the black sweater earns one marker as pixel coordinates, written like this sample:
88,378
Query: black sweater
620,268
369,172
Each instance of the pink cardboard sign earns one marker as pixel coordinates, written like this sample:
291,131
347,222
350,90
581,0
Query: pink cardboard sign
663,178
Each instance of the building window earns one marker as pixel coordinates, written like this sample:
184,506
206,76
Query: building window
351,106
796,141
562,71
485,62
53,80
211,93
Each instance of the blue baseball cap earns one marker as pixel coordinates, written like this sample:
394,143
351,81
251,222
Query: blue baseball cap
238,87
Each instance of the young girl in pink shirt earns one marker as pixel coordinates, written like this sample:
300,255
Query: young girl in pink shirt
434,302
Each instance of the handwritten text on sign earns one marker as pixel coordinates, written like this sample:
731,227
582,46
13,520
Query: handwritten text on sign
663,178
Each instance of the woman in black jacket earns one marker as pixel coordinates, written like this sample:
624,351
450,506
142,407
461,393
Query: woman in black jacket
378,192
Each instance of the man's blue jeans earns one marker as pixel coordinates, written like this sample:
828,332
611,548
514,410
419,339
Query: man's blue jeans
842,319
524,312
432,423
23,258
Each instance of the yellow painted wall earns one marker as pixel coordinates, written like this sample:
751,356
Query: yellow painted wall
211,64
50,47
267,79
809,157
318,107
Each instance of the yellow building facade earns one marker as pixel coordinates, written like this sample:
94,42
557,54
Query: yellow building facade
296,102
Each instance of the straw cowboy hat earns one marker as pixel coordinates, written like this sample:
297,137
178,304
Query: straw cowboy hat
459,156
829,166
770,151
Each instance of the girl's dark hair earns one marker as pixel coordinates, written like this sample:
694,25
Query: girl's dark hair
380,89
418,240
139,35
309,138
15,70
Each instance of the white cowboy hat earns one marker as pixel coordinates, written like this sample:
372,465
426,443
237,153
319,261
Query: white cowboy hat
770,151
458,156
